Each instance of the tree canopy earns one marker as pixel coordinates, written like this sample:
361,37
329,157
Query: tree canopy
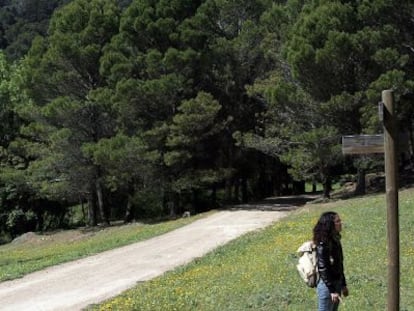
149,107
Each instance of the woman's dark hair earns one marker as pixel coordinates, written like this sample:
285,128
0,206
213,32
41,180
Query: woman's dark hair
324,229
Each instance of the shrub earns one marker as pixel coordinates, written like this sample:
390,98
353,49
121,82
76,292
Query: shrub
19,222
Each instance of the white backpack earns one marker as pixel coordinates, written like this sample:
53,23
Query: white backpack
307,265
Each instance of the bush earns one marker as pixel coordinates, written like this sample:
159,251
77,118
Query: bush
19,222
147,204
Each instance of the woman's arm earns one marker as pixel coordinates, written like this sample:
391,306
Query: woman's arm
322,253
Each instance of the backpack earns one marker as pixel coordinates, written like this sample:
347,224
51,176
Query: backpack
307,264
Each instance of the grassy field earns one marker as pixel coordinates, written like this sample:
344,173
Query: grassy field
257,271
39,251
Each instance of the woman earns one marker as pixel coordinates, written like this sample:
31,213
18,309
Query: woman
332,282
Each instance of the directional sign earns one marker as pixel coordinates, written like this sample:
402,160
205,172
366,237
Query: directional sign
363,144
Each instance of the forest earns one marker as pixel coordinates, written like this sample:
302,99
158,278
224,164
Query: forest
147,108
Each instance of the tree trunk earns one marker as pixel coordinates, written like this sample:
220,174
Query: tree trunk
81,201
228,190
214,195
99,195
171,208
92,219
245,194
327,185
361,186
194,201
173,204
228,184
128,210
411,145
236,190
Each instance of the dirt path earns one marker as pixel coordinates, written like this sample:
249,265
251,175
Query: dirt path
75,285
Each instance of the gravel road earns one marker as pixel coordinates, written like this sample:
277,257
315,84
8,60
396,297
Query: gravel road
75,285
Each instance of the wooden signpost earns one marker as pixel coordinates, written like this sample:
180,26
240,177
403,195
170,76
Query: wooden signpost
391,189
387,144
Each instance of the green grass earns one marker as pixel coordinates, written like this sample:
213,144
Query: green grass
257,271
319,187
17,260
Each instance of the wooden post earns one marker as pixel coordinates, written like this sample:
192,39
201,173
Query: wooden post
391,184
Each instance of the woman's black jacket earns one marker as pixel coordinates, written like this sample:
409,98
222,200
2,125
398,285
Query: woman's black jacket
330,263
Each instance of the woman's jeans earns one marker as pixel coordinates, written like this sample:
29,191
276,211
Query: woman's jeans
324,297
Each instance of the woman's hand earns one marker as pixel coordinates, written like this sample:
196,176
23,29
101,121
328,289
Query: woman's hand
335,297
